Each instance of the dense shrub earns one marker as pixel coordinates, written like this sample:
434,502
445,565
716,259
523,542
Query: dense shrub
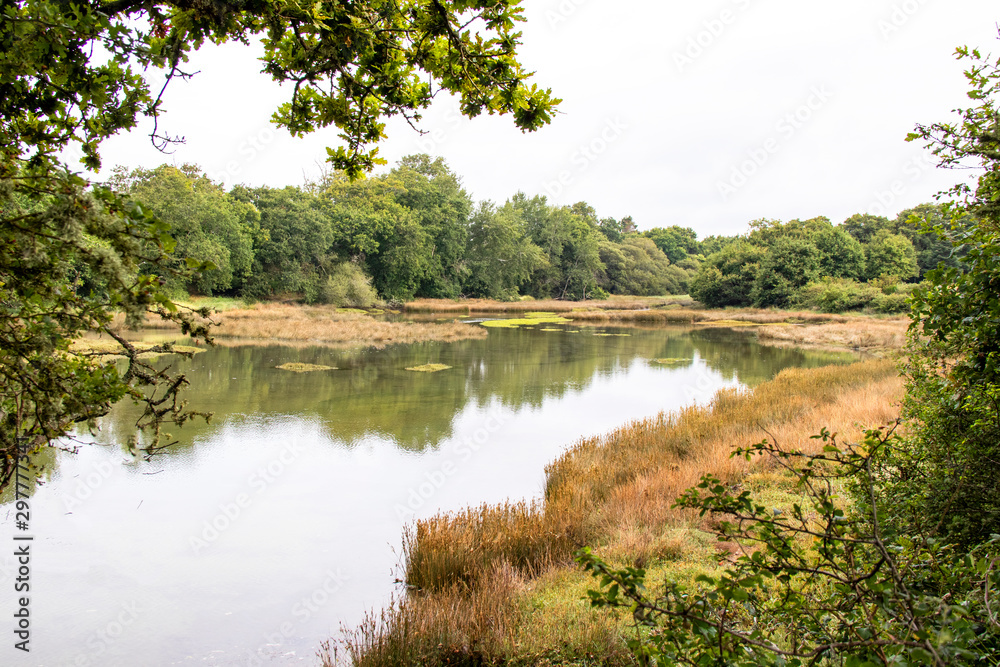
348,286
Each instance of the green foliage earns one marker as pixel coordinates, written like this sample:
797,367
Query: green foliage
348,286
501,255
726,277
206,224
435,196
840,295
635,266
890,254
953,373
790,263
677,243
816,585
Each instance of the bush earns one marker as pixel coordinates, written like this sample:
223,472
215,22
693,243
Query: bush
345,286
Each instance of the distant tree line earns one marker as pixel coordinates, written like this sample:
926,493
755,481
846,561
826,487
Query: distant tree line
868,262
415,232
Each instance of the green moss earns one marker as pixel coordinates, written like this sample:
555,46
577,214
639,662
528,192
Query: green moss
529,319
429,368
296,367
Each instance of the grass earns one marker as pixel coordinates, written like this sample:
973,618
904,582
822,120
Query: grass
297,367
866,334
530,319
429,368
327,324
614,492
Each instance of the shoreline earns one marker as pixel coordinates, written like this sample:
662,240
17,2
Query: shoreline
512,563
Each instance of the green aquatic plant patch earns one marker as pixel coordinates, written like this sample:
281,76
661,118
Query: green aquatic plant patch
429,368
529,319
297,367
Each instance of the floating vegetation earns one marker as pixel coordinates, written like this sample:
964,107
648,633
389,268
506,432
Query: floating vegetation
356,311
612,334
297,367
111,349
670,361
529,319
429,368
552,329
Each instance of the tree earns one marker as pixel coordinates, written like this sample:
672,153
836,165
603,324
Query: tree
946,474
635,267
434,195
501,256
728,276
675,242
890,254
790,263
350,65
206,224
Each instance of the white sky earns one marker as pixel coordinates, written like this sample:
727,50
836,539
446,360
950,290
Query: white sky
666,125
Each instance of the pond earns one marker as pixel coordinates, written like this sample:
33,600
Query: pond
267,531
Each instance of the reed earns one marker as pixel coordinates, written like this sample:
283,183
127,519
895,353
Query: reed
614,492
858,334
328,325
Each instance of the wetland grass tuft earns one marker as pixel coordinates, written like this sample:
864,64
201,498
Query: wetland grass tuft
614,492
327,324
429,368
297,367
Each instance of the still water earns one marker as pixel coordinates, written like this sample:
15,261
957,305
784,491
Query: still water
270,529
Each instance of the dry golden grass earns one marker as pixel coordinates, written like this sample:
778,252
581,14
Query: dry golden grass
859,334
695,316
449,627
325,324
616,492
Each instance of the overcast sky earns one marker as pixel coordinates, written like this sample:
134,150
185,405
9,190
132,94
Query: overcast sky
706,115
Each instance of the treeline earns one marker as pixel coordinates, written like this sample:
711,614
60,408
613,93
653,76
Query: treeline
413,232
869,262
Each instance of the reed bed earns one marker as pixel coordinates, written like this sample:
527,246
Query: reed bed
614,492
858,334
327,325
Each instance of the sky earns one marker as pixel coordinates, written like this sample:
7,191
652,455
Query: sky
705,115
